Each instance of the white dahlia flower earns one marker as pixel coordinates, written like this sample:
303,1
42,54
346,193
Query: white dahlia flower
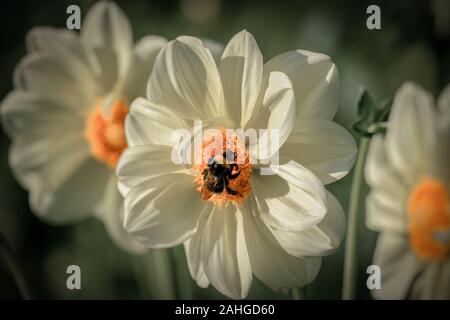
66,116
408,171
232,220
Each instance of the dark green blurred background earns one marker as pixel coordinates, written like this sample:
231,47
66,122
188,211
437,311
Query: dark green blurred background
413,44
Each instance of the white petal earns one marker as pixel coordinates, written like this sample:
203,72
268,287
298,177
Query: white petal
276,113
215,47
385,213
144,56
224,253
410,138
292,200
48,38
444,100
164,210
106,25
241,69
385,205
322,146
186,80
60,41
49,157
270,263
379,172
398,264
335,222
111,212
67,82
149,123
27,114
79,191
319,240
443,135
107,31
138,163
433,283
315,80
193,249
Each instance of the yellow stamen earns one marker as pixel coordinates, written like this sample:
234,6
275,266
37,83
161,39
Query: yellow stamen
106,134
428,209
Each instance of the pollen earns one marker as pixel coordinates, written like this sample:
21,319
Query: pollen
224,170
428,210
105,134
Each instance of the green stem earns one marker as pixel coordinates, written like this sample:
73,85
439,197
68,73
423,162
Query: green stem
298,294
160,274
140,276
351,250
182,275
8,256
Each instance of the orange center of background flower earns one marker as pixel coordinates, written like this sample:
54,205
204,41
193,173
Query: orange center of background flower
106,134
428,209
213,147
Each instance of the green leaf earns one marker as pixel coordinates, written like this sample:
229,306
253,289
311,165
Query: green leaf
370,116
364,103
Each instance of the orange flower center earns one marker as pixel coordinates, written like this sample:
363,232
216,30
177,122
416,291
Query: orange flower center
223,174
106,134
429,219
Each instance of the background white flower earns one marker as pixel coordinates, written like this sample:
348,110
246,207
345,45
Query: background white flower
273,225
409,175
65,116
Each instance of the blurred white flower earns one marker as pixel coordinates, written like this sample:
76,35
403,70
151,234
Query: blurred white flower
276,226
66,113
408,171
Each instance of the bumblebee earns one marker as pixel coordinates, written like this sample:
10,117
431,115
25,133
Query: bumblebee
216,177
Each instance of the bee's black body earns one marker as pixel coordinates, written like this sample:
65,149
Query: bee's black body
217,175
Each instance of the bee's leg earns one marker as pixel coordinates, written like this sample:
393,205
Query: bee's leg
218,188
232,176
229,190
